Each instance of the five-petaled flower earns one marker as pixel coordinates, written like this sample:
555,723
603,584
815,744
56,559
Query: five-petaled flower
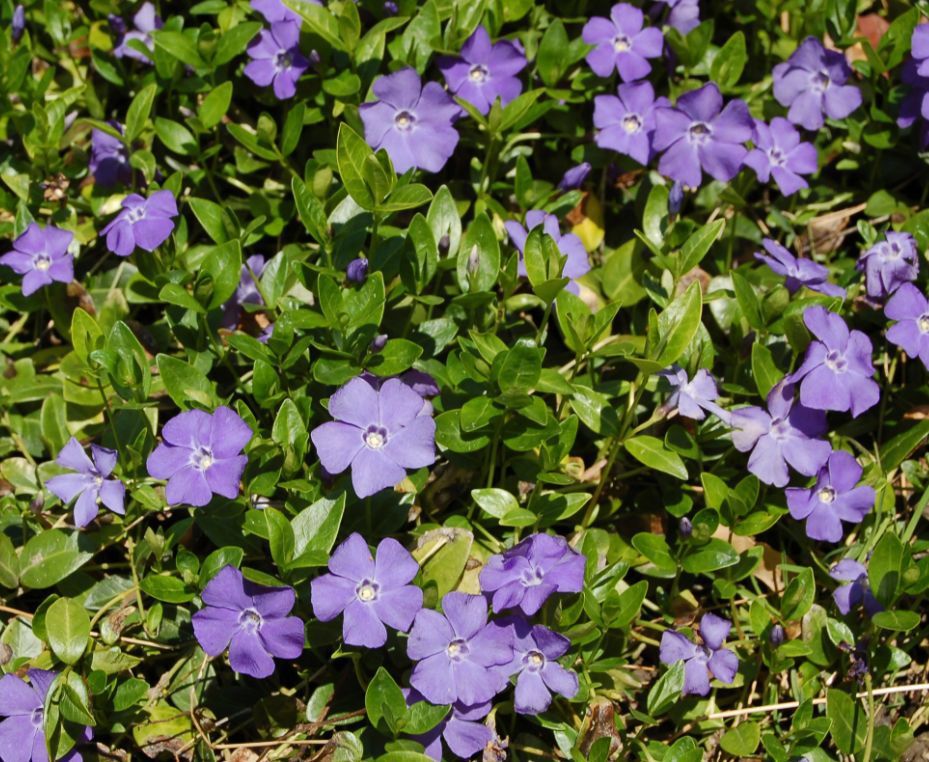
276,59
889,264
568,244
41,256
89,485
701,661
484,71
857,590
621,43
146,21
690,398
461,729
143,222
780,154
910,308
797,272
626,121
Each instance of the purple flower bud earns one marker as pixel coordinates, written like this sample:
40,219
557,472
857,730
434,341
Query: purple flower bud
390,8
676,198
685,527
777,635
357,270
18,26
574,177
379,342
444,243
117,24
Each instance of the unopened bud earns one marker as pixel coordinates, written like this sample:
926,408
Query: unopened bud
685,527
357,270
777,635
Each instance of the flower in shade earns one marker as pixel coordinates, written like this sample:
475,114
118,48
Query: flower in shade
536,650
683,15
462,730
778,153
626,121
378,432
357,270
698,133
711,658
621,43
915,104
369,592
568,244
109,158
41,256
146,21
910,308
919,49
574,177
484,71
412,122
22,733
858,590
18,24
250,620
276,59
143,222
200,456
797,272
836,497
811,83
786,433
527,574
89,484
246,292
691,398
837,369
460,657
889,264
274,10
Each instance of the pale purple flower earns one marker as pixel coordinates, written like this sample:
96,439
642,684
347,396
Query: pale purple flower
675,198
915,104
246,292
626,121
89,484
811,83
698,133
690,397
146,21
797,272
250,620
460,657
41,256
276,59
778,153
18,24
368,592
109,158
527,574
536,650
274,10
145,223
889,264
200,456
568,244
413,122
910,308
836,497
919,49
357,270
484,71
462,730
378,432
858,590
621,43
837,368
683,15
574,177
701,661
786,433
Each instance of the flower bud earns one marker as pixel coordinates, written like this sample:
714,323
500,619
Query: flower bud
357,270
777,635
685,527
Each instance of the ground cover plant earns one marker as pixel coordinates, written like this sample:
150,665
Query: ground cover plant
492,379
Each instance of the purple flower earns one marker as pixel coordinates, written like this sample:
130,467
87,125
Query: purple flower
909,307
797,272
89,485
889,264
787,433
109,158
536,650
370,593
274,10
250,620
568,244
691,398
626,121
684,15
246,292
484,72
143,222
460,657
146,21
22,734
812,83
461,729
525,575
621,43
574,177
200,456
18,24
836,370
919,49
675,198
379,432
858,590
835,498
412,122
357,270
277,60
699,133
778,152
41,257
711,658
915,104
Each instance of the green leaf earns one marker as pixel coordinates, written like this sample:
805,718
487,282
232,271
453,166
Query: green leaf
849,721
886,567
552,58
652,452
138,112
901,447
519,368
293,127
319,21
478,262
68,628
711,556
422,717
185,384
179,296
234,41
216,104
444,567
742,740
384,701
9,563
729,62
678,325
127,364
406,197
179,45
628,605
86,335
799,596
352,155
311,211
697,246
167,589
175,136
495,502
223,266
666,691
48,558
897,621
765,371
210,216
315,531
748,300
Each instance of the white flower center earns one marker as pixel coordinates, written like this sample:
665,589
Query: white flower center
375,437
42,262
404,120
250,619
367,591
632,123
776,157
820,81
134,215
923,323
478,73
699,133
827,495
283,60
835,361
38,717
202,458
621,43
457,649
535,659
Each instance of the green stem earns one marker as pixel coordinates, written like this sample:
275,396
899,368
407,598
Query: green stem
869,740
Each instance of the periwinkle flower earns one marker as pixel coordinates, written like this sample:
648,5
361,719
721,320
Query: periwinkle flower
786,433
683,15
250,620
18,23
276,59
484,71
462,730
378,432
836,497
246,292
811,84
889,264
697,133
626,121
568,244
780,154
915,104
460,657
357,270
621,43
413,122
776,635
857,591
910,308
200,456
797,272
146,21
702,661
369,592
145,223
274,11
89,484
536,650
837,368
525,575
690,398
919,49
574,177
41,256
109,158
